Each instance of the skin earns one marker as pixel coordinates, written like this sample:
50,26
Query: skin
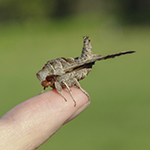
32,122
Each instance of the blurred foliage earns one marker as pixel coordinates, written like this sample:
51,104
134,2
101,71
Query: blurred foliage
16,10
134,11
129,11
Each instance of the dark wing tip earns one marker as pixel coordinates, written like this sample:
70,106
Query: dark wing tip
130,51
116,54
124,52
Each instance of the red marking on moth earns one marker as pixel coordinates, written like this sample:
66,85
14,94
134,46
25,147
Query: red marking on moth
45,83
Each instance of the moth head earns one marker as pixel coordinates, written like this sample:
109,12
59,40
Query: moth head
49,81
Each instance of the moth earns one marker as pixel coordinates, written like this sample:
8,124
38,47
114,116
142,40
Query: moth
61,72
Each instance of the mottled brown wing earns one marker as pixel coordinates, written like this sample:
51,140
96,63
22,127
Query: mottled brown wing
89,62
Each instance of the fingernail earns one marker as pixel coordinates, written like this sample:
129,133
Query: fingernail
78,111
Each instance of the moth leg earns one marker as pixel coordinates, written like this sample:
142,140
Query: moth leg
70,92
77,84
43,90
59,89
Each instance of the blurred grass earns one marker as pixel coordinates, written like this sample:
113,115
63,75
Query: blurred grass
118,117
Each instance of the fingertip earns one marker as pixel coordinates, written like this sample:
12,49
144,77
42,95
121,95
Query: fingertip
81,97
44,113
78,112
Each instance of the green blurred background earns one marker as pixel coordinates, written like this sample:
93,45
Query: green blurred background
33,32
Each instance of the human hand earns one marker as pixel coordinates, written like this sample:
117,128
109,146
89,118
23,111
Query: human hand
32,122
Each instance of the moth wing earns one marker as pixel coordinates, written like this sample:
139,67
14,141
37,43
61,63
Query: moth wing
89,62
80,65
61,64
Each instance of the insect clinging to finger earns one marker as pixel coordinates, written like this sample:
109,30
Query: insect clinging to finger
61,72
